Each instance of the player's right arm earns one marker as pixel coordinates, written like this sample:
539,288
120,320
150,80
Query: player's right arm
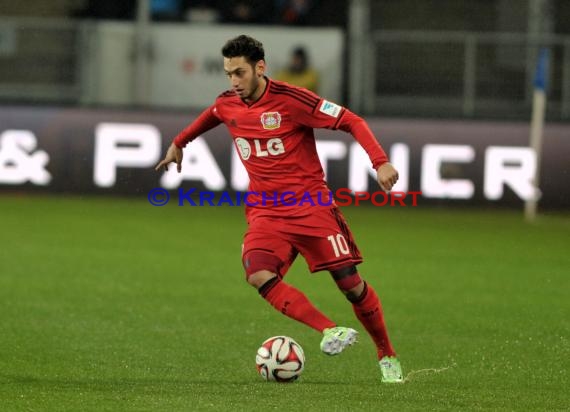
173,154
207,120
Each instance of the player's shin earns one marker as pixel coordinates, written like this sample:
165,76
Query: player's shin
368,310
294,304
366,306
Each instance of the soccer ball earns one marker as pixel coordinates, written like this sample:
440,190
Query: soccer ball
280,359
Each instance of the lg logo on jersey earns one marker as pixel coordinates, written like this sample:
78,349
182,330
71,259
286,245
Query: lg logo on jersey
263,148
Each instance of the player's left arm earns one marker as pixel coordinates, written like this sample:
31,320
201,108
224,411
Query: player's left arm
329,115
387,176
386,173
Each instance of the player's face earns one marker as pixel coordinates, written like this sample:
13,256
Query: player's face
246,80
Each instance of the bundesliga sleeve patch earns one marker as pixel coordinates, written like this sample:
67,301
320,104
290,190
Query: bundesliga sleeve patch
330,108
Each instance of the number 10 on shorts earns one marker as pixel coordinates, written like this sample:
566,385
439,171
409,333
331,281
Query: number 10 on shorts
339,244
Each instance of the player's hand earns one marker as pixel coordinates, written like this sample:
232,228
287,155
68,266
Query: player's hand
174,154
387,176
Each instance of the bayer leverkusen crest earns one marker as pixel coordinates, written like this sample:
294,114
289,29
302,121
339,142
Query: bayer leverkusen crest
271,120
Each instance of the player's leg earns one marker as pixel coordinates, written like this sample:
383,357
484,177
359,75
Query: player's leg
331,247
266,259
368,310
366,306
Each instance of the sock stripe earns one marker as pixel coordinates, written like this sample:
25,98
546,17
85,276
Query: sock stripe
267,286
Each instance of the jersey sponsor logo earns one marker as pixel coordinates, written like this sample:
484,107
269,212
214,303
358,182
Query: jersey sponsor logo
243,147
330,108
262,148
271,120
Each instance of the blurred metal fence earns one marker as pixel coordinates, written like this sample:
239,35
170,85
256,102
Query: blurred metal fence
464,74
407,73
39,60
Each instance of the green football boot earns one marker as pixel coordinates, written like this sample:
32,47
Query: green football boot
391,370
336,339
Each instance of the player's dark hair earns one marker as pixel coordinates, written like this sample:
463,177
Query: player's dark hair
244,46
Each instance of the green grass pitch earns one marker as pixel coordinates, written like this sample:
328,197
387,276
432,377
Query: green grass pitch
115,305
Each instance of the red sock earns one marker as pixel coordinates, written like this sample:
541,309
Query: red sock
294,304
368,310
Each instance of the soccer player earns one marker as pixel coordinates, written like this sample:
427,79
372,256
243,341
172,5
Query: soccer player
272,124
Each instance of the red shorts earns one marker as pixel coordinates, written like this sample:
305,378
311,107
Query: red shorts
322,238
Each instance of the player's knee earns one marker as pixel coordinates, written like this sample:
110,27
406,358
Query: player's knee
349,282
260,266
260,278
268,285
354,294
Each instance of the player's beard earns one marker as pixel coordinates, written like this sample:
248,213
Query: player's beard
253,89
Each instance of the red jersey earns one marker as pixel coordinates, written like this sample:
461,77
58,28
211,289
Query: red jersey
275,140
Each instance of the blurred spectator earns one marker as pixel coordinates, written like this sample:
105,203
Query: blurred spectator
202,11
246,11
107,9
294,12
160,10
299,71
166,10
